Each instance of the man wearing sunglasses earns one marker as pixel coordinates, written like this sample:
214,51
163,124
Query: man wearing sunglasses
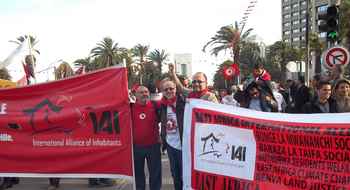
171,116
199,86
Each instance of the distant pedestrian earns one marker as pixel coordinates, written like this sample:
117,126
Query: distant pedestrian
341,92
323,103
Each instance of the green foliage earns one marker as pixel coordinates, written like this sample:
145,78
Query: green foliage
158,57
107,53
140,52
345,23
249,56
32,40
278,56
229,38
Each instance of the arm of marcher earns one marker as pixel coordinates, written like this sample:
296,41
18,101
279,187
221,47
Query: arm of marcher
179,86
271,102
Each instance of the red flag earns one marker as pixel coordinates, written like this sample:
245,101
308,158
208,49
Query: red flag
228,72
68,127
236,69
26,70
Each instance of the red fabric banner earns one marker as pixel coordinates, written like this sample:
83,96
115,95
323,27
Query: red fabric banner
75,127
250,150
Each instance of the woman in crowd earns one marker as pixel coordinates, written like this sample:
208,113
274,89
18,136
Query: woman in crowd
341,93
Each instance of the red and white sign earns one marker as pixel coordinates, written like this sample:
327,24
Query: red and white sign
68,128
335,56
230,71
242,149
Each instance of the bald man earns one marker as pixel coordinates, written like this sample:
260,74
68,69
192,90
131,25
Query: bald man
146,140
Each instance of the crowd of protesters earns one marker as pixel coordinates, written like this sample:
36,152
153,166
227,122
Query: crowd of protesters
158,120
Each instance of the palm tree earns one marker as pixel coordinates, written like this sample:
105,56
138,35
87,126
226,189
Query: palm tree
64,70
107,52
86,62
158,56
140,52
279,55
249,56
344,23
32,41
229,38
30,59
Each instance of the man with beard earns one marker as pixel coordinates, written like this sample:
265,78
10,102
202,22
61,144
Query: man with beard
146,140
199,86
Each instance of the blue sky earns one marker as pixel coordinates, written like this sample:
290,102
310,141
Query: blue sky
69,29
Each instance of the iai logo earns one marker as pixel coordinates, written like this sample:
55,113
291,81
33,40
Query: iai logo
223,150
5,137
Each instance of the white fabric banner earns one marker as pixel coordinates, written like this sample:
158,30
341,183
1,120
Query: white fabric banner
226,147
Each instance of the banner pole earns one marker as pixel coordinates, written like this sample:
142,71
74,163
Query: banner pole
132,150
124,62
31,56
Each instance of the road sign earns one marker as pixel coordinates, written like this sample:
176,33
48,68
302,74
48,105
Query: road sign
335,56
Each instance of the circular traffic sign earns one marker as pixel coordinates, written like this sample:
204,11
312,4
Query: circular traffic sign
335,56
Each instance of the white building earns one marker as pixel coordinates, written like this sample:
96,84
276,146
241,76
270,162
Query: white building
183,64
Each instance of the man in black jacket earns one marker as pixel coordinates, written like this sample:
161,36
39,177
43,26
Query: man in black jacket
323,103
172,114
257,99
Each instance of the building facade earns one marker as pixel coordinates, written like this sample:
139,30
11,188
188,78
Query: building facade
294,20
183,64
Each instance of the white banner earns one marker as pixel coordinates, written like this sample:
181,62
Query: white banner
227,147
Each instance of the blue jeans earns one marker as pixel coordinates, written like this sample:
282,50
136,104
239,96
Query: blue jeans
152,155
175,158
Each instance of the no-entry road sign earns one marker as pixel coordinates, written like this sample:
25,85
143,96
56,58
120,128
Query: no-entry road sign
335,56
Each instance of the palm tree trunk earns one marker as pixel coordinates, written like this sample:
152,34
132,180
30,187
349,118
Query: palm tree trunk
160,68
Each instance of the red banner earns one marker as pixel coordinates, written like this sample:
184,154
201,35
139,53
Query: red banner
78,127
242,149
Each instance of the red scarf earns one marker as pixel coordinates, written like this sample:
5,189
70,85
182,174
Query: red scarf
198,95
169,102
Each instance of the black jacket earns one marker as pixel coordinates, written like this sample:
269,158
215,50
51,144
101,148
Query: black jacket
312,106
264,104
180,109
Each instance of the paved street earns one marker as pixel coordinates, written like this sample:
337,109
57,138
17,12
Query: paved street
82,184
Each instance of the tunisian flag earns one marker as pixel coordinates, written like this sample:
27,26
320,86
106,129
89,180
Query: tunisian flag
77,127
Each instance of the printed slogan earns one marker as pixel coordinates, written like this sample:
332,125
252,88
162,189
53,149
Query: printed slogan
288,155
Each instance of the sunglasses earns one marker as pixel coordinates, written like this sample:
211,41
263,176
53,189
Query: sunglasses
169,89
198,81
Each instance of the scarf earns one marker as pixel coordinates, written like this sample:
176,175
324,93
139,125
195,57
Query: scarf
169,102
198,95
